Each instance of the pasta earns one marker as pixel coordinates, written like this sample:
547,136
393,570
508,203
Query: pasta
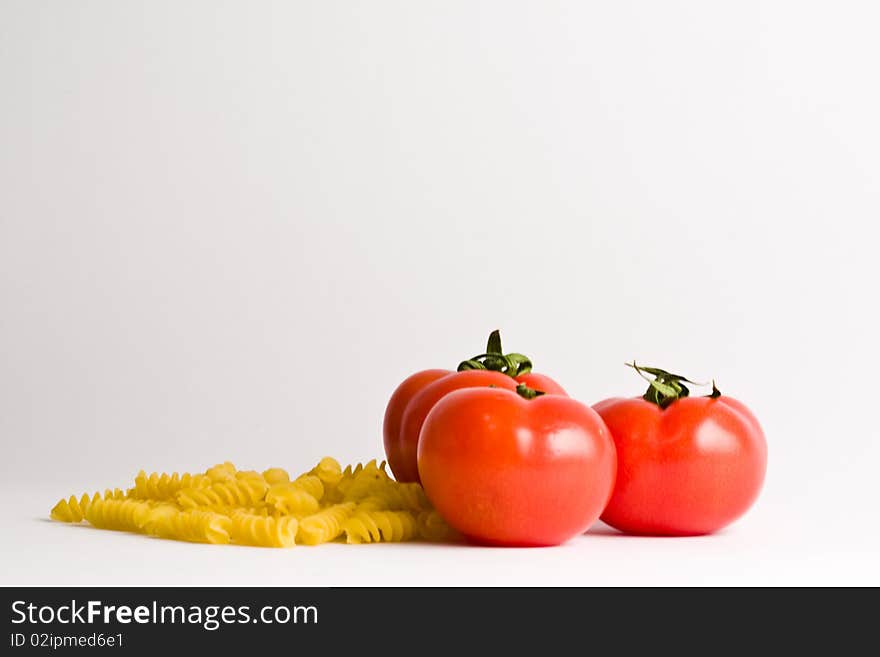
369,480
358,504
276,476
164,486
71,510
263,531
194,525
243,491
431,527
291,499
121,515
325,525
311,484
328,471
405,497
375,526
221,472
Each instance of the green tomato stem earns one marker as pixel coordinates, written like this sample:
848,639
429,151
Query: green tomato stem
666,387
495,360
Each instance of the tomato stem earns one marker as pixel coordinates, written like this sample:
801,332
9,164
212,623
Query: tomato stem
496,360
528,393
666,387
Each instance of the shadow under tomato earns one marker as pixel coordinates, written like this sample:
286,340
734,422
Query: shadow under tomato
601,529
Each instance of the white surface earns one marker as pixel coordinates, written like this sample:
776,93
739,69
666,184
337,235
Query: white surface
228,230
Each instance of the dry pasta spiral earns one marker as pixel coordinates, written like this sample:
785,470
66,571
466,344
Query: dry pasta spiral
311,484
375,526
325,525
164,486
194,525
431,527
361,504
245,491
263,531
276,476
328,471
405,497
72,509
364,481
121,515
291,499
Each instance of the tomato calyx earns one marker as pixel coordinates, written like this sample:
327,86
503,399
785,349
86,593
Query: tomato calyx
496,360
528,393
667,387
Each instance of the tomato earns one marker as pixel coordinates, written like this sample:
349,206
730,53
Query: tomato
504,470
411,401
396,450
541,382
685,465
404,464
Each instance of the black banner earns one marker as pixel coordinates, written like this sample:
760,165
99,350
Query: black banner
365,620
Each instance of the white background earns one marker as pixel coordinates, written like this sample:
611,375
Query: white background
228,230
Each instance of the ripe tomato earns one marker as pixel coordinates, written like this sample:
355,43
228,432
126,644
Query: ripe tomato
685,465
411,401
541,382
505,470
395,448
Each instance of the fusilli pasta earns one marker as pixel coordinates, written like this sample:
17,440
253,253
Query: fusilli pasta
375,526
72,509
194,525
263,531
325,525
291,499
164,486
122,515
361,503
244,491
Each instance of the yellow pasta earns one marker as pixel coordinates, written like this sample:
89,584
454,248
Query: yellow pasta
72,509
375,526
405,497
263,531
361,503
115,494
122,515
311,484
431,527
291,499
328,471
194,525
164,486
370,480
325,525
372,503
276,476
245,491
221,472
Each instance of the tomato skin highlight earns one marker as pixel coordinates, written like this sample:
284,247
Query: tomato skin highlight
508,471
689,469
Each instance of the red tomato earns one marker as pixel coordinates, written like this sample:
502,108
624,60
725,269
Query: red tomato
395,448
686,465
504,470
411,401
541,382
